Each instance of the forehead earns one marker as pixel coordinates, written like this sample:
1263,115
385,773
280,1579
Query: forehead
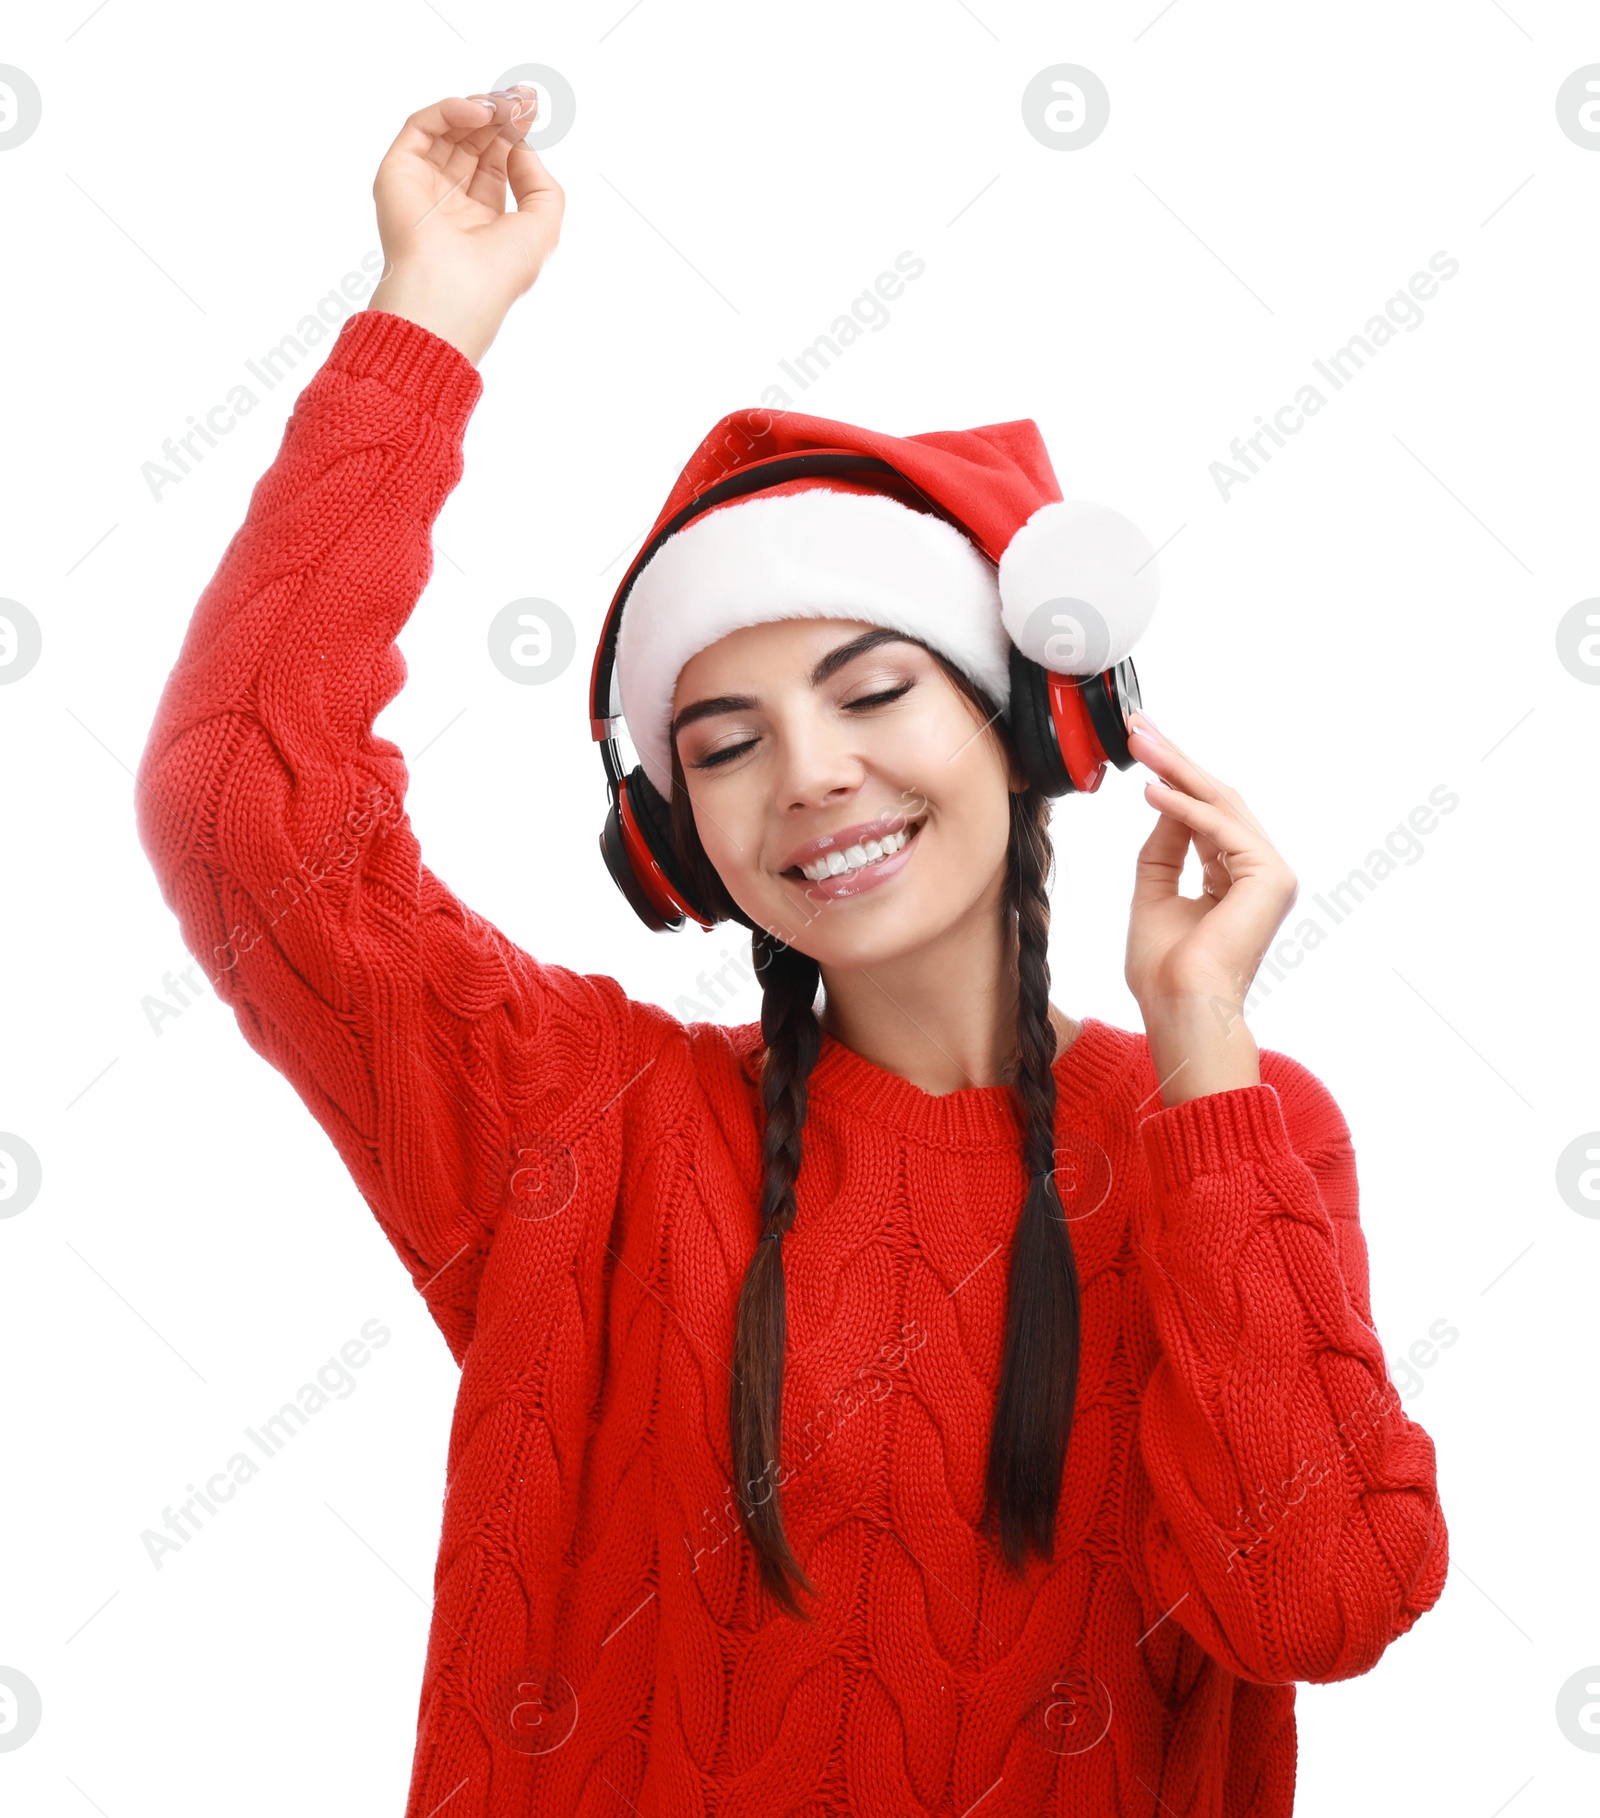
774,649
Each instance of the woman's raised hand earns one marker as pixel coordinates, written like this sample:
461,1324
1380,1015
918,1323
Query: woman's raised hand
1191,959
455,258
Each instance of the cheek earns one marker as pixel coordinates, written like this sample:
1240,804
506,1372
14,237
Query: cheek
973,816
944,744
966,775
712,840
727,842
974,828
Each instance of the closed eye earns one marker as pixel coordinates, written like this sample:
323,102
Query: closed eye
867,700
891,694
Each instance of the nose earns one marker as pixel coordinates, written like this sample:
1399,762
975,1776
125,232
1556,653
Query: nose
817,768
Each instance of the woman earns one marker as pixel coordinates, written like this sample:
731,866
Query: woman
940,1400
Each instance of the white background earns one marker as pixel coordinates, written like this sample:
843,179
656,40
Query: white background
1373,615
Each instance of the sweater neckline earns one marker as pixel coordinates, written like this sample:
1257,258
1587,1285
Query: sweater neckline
971,1116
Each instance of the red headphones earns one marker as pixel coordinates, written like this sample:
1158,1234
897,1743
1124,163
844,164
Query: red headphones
1066,728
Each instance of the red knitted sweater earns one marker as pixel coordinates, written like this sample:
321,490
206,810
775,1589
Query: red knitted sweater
570,1176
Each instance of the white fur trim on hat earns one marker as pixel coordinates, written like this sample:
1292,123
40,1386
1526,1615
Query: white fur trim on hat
1078,587
819,553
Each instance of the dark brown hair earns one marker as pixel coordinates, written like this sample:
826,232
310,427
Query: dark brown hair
1039,1370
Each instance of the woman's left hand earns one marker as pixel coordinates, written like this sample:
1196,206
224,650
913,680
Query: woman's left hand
1191,960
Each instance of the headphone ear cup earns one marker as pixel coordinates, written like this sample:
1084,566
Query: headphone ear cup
653,818
1111,698
1032,730
619,862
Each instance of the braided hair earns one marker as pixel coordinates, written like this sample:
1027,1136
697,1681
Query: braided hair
1039,1369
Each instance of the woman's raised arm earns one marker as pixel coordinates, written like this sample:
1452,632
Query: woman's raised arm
274,818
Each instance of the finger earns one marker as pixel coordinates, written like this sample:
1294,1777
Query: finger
493,144
1162,755
460,124
1221,830
1215,872
504,116
1173,766
1213,822
1159,866
521,122
447,122
1141,723
1213,860
531,184
487,183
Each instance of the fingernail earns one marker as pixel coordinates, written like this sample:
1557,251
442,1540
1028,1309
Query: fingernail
1146,724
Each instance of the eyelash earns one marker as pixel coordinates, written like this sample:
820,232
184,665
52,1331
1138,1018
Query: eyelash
867,700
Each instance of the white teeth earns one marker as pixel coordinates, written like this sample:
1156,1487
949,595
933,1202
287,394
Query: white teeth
852,858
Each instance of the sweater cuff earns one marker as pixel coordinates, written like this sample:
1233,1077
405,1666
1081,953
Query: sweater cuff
413,362
1213,1134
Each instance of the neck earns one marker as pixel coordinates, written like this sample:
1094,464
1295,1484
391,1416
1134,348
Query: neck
943,1017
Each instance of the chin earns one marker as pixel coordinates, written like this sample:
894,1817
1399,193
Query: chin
830,943
872,926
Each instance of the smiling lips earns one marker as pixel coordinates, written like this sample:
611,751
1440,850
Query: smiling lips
869,858
856,857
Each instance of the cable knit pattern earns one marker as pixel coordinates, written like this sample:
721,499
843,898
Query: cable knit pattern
571,1177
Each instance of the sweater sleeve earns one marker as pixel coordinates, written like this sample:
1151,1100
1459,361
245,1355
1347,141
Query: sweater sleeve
1296,1529
274,819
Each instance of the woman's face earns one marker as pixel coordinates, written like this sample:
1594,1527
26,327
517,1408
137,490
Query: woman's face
805,737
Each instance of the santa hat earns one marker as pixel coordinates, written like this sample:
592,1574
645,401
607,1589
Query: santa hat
966,545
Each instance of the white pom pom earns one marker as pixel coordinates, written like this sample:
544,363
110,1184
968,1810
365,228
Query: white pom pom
1078,586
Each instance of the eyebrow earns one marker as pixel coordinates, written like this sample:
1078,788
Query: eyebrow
828,666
